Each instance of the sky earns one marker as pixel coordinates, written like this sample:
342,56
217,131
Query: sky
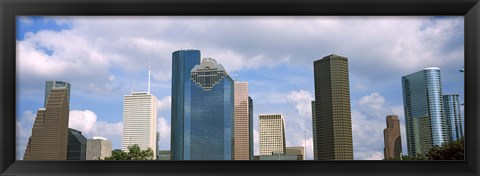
105,58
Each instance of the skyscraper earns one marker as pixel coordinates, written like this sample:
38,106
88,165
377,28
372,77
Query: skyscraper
77,145
391,137
50,129
49,85
98,148
242,127
453,117
140,120
250,117
422,102
272,134
314,129
183,62
208,127
333,123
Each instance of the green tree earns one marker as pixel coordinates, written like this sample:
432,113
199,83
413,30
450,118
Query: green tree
134,153
454,150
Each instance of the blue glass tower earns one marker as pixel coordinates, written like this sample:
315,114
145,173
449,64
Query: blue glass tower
182,63
209,109
453,116
423,106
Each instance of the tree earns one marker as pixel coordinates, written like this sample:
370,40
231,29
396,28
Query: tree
134,153
454,150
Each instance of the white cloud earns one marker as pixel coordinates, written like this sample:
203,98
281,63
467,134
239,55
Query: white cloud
83,121
164,129
24,126
164,103
256,142
302,100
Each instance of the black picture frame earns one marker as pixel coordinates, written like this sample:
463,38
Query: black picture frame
470,9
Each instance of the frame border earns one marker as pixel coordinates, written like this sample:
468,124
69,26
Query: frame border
470,9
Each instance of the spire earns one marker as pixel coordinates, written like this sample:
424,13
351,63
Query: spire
148,74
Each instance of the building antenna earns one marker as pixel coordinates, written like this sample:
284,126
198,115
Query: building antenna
148,74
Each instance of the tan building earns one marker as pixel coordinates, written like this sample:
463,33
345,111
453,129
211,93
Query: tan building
333,122
272,134
242,128
98,148
392,139
297,151
50,129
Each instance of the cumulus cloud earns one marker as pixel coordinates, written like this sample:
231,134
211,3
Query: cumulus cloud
164,128
302,100
164,103
256,142
24,126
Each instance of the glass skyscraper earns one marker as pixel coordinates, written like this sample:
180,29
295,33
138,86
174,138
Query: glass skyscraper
423,106
183,62
209,109
453,116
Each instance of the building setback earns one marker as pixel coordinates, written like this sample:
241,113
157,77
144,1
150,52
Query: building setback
77,145
333,124
272,134
182,63
242,122
424,117
98,148
453,117
209,114
392,138
50,129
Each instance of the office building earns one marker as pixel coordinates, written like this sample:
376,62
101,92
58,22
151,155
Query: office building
208,127
453,117
77,145
140,120
392,138
250,117
280,156
296,151
424,117
50,129
272,134
164,155
242,122
333,123
49,85
99,148
314,134
183,62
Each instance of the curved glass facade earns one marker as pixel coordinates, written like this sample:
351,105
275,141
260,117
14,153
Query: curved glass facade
453,116
423,106
183,62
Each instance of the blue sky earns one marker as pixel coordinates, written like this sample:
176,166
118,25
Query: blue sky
105,58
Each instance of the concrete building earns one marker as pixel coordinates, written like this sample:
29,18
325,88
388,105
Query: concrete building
453,117
242,122
424,116
392,138
140,120
77,145
250,116
272,134
280,156
164,155
332,119
98,148
295,151
183,62
50,129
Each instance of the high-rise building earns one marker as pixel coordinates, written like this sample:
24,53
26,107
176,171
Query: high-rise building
164,155
333,123
77,145
50,129
424,117
98,148
51,84
272,134
242,122
314,129
140,120
250,117
391,137
157,145
453,117
208,127
183,62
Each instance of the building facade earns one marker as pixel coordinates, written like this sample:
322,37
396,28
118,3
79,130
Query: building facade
296,151
392,138
140,121
164,155
50,129
250,117
98,148
314,129
424,117
242,122
77,145
453,117
272,134
332,119
209,114
183,62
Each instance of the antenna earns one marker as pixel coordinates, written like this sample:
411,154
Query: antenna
148,74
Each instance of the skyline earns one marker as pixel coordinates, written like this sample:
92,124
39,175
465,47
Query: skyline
282,86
